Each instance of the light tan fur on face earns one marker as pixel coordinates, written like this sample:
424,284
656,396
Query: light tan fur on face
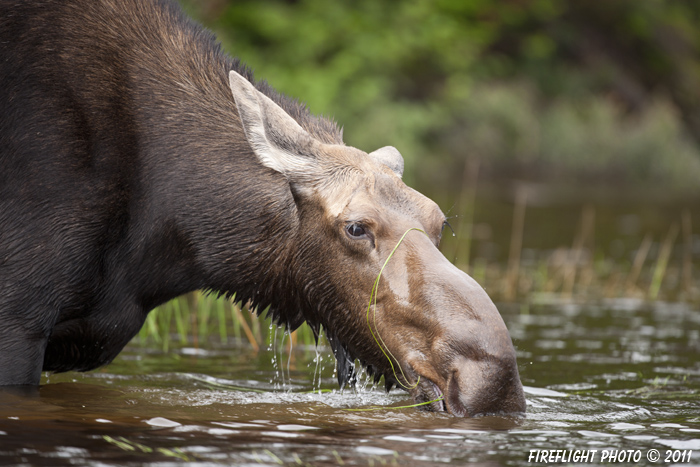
359,188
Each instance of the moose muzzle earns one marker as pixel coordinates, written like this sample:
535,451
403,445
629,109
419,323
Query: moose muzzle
467,356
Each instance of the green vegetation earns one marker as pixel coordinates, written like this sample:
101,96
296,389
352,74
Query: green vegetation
198,317
575,274
130,446
567,91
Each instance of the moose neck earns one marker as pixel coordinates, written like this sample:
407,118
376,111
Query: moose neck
227,223
187,204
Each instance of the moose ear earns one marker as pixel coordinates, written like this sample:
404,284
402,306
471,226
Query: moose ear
391,157
276,138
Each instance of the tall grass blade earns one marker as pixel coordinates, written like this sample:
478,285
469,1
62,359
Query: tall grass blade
638,263
687,273
221,319
516,245
180,319
582,239
467,206
662,262
238,318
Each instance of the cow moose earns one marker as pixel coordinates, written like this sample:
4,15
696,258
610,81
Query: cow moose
139,162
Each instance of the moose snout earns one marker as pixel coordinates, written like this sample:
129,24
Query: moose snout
482,376
473,359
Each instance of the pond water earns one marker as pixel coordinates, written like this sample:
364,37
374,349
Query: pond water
610,375
614,375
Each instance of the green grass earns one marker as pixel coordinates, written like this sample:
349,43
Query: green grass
200,317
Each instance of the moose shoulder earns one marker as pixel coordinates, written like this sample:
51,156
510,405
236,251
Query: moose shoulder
139,162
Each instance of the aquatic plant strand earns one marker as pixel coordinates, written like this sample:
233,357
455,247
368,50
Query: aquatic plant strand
370,409
373,299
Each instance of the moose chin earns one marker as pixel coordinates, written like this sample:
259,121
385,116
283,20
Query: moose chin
139,162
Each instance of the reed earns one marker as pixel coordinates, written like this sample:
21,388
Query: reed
686,223
516,243
662,262
583,239
582,273
197,318
639,259
467,203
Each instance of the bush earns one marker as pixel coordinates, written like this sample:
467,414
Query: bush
531,89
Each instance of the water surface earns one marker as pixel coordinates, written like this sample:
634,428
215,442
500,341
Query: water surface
610,375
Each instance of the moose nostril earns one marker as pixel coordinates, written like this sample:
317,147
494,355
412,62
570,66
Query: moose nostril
486,386
454,400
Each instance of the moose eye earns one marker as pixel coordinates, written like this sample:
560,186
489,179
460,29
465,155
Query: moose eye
356,230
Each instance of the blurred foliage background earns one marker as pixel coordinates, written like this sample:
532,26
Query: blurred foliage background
562,138
578,91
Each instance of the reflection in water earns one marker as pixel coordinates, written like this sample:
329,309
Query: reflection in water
603,377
